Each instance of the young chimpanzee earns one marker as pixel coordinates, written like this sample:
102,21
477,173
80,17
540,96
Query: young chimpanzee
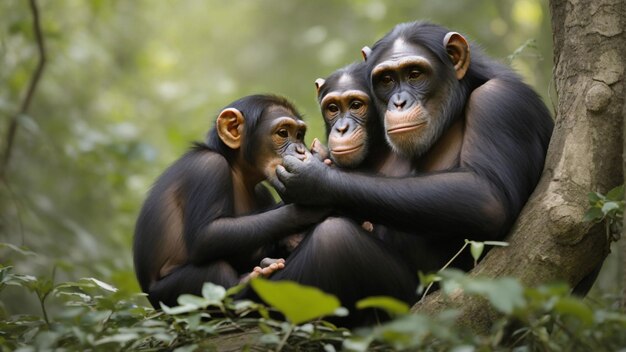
475,134
207,217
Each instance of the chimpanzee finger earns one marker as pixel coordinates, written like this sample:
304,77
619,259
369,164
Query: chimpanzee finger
290,163
319,150
283,174
277,184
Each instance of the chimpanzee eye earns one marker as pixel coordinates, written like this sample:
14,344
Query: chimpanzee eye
332,108
356,105
300,136
415,74
386,80
283,133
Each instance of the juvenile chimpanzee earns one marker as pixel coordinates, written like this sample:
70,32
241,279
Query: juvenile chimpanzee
207,217
475,134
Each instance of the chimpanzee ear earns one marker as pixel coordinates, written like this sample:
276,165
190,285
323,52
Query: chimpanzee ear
230,127
459,52
366,51
318,84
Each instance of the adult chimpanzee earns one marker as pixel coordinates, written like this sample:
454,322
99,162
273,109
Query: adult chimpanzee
208,218
475,134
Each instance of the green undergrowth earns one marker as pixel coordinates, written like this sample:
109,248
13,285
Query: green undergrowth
97,317
91,315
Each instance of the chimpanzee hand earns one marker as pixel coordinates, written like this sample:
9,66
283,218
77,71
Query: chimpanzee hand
303,181
320,151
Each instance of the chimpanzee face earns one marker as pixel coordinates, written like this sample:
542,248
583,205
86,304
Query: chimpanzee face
411,87
346,110
283,135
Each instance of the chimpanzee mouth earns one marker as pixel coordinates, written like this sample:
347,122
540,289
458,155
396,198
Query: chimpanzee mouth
406,128
344,151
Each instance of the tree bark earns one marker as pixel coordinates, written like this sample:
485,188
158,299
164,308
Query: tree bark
623,239
550,242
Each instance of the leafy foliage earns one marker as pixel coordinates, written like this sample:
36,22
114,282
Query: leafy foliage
608,208
99,317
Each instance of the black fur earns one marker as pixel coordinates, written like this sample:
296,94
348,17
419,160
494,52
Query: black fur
506,135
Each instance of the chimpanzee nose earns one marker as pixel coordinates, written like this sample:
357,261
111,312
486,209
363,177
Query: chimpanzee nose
399,103
342,128
300,149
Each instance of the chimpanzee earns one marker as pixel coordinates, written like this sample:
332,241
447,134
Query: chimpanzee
208,217
475,134
356,141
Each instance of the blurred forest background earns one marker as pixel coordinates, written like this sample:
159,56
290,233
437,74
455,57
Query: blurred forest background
128,85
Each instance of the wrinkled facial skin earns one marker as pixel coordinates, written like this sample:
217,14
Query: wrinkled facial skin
282,133
345,110
410,88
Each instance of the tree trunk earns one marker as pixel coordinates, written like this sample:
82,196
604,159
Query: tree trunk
550,242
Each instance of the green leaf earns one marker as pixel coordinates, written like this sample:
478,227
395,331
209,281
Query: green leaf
476,248
100,284
266,329
191,300
341,312
46,340
575,307
594,197
299,303
269,339
425,280
329,348
389,304
21,250
616,194
357,344
178,309
118,338
429,278
214,293
243,305
27,281
505,294
593,214
235,290
608,206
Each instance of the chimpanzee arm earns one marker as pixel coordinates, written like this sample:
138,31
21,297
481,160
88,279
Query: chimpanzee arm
506,135
211,230
458,202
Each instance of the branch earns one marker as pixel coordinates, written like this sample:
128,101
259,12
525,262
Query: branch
11,132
